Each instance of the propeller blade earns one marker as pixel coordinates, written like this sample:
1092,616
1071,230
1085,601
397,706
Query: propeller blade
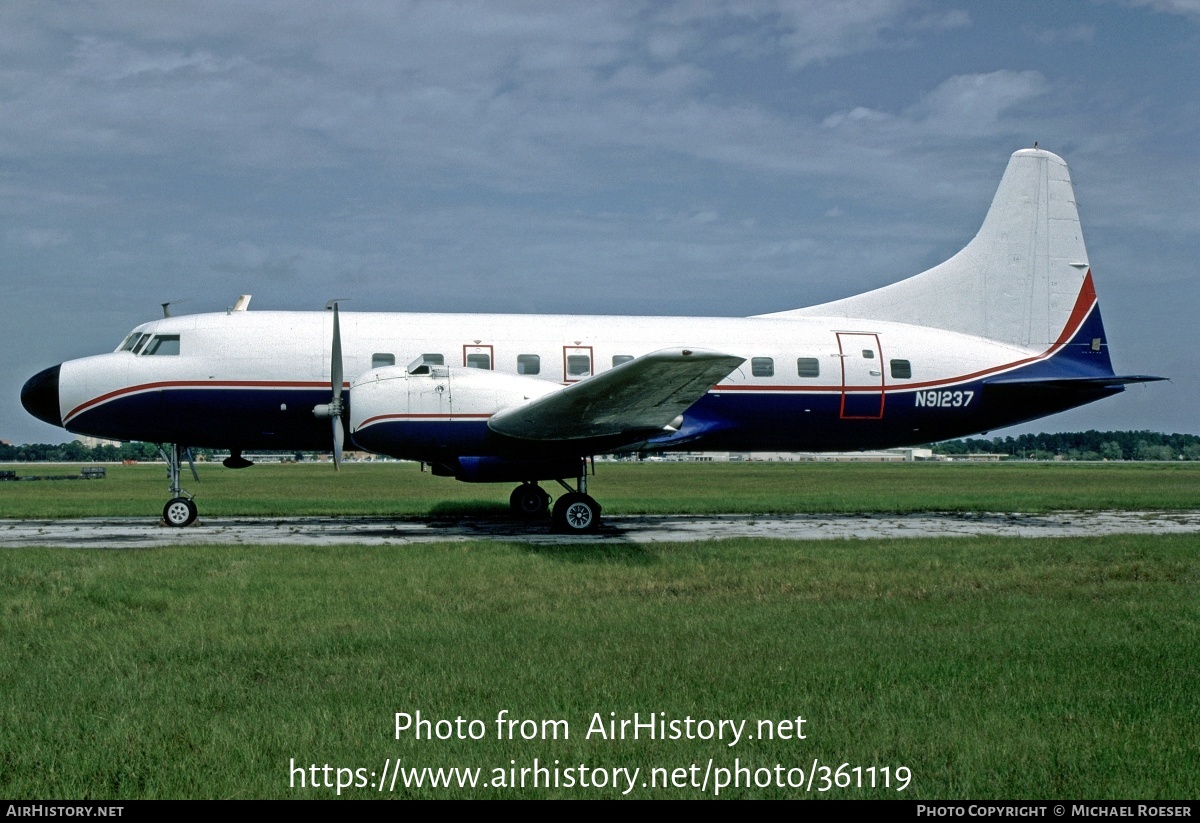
335,360
334,409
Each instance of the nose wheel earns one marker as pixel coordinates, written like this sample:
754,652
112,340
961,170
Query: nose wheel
179,512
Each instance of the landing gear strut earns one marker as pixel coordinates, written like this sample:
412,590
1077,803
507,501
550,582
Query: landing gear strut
576,512
180,511
529,501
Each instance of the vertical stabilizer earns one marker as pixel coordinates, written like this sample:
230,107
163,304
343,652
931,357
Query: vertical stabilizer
1017,281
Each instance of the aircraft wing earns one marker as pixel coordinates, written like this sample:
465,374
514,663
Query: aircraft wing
641,396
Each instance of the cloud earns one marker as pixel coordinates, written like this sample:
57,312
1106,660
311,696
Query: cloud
548,156
856,115
974,102
544,98
1079,33
1187,8
964,105
40,238
99,60
805,33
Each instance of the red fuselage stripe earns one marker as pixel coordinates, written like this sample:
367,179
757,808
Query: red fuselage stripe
199,384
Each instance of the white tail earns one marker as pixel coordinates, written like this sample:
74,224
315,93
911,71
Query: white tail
1016,282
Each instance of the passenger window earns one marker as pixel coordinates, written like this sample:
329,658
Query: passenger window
869,354
578,365
478,361
762,366
434,359
381,359
618,359
164,344
901,369
808,367
528,364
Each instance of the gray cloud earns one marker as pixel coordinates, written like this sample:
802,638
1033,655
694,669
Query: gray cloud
541,156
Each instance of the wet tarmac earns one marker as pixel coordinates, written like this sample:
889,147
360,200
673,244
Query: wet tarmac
132,532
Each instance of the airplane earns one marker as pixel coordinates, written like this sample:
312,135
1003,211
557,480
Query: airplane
1005,331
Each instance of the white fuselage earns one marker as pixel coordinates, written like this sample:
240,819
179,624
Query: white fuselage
251,379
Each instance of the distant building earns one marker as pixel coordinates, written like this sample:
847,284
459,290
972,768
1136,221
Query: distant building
883,456
93,442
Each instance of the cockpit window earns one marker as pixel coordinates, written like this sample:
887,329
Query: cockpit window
131,341
163,344
141,341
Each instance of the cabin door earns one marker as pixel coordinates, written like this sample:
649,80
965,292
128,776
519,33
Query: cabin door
862,376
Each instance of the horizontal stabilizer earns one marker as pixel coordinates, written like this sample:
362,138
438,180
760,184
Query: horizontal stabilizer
1069,383
639,397
1061,391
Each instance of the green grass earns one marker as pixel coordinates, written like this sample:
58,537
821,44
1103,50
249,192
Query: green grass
401,489
992,668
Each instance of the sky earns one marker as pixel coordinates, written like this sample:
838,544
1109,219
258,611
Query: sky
693,158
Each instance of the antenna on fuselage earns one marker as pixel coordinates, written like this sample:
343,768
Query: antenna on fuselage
166,307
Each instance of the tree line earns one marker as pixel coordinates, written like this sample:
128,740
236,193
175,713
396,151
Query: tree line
1088,445
76,452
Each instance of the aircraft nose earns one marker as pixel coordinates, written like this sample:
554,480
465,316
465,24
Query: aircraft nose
39,395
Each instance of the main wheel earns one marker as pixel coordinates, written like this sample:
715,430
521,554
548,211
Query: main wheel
576,513
179,512
529,501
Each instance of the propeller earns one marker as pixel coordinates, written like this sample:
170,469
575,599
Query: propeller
334,409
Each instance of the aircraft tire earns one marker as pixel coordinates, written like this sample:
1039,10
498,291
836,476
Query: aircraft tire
179,512
529,501
576,513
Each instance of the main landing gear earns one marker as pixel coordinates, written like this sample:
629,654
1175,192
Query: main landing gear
180,511
529,501
575,512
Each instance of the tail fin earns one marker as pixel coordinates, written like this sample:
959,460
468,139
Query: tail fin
1018,281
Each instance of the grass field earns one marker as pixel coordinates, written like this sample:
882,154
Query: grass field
990,668
402,489
985,667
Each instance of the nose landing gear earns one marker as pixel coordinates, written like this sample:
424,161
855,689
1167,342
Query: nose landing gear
180,511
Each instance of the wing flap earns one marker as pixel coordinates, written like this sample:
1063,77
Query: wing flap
638,397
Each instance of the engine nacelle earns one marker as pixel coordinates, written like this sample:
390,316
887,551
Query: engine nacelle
433,412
